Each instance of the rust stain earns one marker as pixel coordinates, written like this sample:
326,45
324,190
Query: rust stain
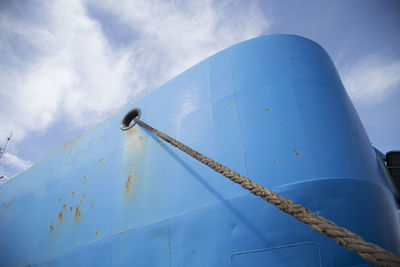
134,140
99,180
84,179
297,153
78,213
101,162
69,144
159,141
129,185
64,207
72,193
129,182
52,227
276,158
97,233
230,105
60,216
4,208
71,209
267,109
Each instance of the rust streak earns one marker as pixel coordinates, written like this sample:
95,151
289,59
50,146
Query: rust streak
64,207
52,227
130,181
78,213
4,208
72,193
129,185
97,233
60,216
71,209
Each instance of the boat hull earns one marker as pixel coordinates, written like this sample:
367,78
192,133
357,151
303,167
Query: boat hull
272,108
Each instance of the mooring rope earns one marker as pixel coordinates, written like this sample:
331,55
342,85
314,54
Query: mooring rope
353,242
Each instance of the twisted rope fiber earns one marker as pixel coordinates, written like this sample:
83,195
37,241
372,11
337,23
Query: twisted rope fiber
353,242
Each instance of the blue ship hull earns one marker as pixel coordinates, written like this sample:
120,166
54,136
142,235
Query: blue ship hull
272,108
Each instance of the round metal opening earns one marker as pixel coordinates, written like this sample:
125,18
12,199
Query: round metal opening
129,119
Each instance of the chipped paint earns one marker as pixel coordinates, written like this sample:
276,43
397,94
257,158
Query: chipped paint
101,163
267,109
230,105
296,153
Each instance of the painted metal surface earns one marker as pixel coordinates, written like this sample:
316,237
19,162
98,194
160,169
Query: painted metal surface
272,108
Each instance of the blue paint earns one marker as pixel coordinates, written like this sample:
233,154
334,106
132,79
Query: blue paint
272,108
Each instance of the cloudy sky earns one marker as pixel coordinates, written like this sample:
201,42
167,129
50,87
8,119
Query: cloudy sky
67,65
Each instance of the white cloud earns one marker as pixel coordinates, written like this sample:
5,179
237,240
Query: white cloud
372,79
61,65
75,74
177,34
14,165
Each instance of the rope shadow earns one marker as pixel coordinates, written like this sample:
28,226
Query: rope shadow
257,233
